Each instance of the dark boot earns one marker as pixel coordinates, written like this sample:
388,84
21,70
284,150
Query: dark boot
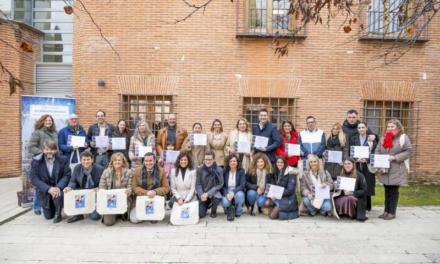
230,213
214,212
251,210
274,213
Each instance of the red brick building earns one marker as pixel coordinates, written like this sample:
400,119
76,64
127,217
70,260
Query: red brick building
220,64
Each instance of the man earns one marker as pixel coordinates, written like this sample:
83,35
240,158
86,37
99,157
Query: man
350,127
85,175
73,129
208,185
171,133
50,174
312,139
266,129
101,128
148,180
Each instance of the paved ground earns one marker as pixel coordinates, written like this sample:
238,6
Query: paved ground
8,198
414,237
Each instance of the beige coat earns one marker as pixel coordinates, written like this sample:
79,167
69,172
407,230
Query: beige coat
197,152
184,188
126,177
397,174
217,144
151,142
231,146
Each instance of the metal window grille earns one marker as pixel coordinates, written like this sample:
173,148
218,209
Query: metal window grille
280,14
154,109
280,109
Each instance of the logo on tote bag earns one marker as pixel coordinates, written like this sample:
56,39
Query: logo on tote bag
112,200
149,207
80,201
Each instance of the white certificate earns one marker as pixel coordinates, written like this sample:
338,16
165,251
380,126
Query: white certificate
119,143
77,141
322,193
111,201
345,183
79,202
293,150
334,156
381,161
261,142
140,151
199,139
244,147
151,209
171,155
101,141
361,152
275,191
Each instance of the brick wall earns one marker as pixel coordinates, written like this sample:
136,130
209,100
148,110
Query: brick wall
22,66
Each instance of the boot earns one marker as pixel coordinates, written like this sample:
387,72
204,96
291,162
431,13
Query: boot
230,213
214,212
251,210
274,213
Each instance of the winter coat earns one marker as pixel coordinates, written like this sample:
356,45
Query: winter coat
184,188
217,144
270,131
138,141
288,203
231,147
157,182
127,137
38,137
240,181
63,144
209,180
312,142
162,136
78,177
281,150
333,144
197,152
94,131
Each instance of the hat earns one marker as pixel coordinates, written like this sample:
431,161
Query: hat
73,116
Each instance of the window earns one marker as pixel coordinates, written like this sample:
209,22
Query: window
387,16
280,109
269,16
154,109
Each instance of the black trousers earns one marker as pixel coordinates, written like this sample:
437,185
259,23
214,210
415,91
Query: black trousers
368,203
391,198
211,202
53,207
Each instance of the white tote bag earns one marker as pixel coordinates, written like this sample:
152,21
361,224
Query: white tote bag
79,202
110,202
73,165
150,209
186,214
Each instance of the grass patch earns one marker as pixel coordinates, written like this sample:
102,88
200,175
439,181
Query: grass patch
413,195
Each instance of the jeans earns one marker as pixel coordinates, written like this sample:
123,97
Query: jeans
253,197
36,203
325,208
95,216
238,201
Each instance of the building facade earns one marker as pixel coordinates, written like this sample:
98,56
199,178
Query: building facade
221,64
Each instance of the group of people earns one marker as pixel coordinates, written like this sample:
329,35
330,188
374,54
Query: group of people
218,172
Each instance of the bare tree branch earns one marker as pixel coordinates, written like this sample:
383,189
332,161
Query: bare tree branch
195,8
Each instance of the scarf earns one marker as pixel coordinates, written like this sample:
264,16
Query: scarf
155,174
389,137
89,183
261,178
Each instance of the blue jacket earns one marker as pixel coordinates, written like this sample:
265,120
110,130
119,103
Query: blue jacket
77,178
312,142
240,181
41,179
63,137
270,131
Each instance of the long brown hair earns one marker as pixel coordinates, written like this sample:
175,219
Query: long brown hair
40,123
118,155
353,171
267,163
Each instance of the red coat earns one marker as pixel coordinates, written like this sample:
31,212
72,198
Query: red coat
281,151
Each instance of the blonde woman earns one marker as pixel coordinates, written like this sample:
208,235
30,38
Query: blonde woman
313,179
116,176
256,179
396,144
240,133
217,141
337,141
142,137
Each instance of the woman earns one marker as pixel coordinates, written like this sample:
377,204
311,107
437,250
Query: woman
44,130
362,139
116,176
283,176
240,133
352,203
337,141
259,169
313,179
183,180
396,144
197,151
122,131
288,136
233,188
217,141
142,137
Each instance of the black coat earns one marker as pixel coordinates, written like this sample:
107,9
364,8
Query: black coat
41,179
77,178
209,180
350,130
333,144
240,181
270,131
127,137
94,131
288,203
360,192
363,167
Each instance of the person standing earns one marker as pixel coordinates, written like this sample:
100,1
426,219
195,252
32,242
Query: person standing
72,129
288,136
101,128
171,133
266,129
336,141
240,133
121,131
312,139
217,141
197,151
142,137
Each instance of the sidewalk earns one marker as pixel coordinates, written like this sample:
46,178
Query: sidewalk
8,197
413,237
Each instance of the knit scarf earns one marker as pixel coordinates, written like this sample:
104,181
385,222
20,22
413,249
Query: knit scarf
389,137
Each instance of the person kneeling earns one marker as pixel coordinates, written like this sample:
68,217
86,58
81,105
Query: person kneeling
85,176
50,173
208,185
148,180
233,188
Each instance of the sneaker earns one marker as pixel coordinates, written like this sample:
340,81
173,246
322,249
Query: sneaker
389,217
